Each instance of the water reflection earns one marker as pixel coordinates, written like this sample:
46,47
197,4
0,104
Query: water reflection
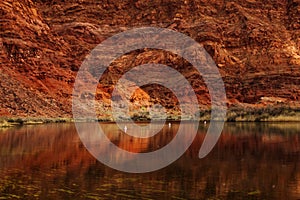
250,161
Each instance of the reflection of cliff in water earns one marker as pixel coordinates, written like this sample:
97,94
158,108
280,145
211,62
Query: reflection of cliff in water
258,158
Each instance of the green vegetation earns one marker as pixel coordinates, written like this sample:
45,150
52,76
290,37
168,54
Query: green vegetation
9,122
234,114
263,114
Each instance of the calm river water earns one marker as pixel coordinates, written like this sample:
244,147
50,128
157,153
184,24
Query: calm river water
250,161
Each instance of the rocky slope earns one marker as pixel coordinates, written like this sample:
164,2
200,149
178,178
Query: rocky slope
255,44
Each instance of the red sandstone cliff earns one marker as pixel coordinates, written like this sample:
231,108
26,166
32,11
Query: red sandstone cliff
255,44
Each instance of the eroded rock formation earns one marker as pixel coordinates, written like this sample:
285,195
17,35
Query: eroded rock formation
255,44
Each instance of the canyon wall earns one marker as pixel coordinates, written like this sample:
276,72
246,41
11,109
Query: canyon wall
255,44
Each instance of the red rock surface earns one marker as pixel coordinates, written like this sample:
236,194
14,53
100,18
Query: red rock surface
255,44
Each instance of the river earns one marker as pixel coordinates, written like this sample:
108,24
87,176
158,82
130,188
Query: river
250,161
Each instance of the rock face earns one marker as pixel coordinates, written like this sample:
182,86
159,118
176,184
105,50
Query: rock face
255,44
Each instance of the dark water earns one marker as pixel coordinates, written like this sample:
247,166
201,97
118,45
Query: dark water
250,161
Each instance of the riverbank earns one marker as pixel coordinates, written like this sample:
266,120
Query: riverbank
234,114
18,121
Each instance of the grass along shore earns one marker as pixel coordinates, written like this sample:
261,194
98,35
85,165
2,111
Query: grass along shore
234,114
